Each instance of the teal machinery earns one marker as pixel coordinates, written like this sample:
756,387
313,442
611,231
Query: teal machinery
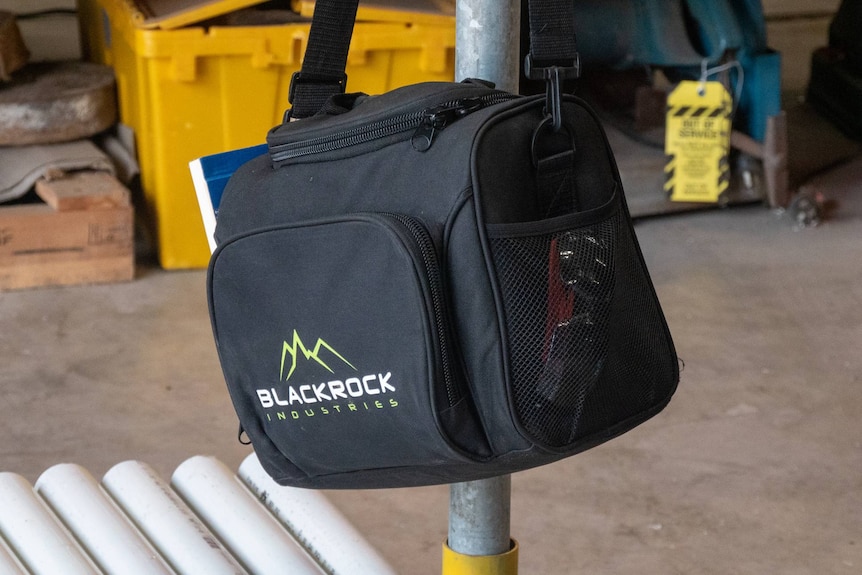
684,38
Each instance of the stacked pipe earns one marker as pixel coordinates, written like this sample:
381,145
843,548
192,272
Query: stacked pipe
207,520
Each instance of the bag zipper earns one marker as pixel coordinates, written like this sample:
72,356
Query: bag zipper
426,124
432,271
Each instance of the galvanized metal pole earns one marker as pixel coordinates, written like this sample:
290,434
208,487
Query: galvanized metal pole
479,516
487,41
487,38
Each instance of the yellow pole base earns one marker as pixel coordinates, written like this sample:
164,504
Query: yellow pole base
455,563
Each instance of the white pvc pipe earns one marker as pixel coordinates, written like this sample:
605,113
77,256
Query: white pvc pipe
111,540
9,564
315,523
41,543
244,526
167,522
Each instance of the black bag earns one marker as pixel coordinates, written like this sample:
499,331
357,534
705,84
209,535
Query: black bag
433,285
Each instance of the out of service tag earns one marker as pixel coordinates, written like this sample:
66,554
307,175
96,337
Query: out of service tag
697,141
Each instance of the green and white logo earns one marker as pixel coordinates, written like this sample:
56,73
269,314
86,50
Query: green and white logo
331,397
296,347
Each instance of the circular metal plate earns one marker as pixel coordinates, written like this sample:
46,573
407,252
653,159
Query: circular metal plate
54,102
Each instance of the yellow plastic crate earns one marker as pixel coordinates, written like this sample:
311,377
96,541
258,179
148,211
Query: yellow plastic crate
416,11
197,90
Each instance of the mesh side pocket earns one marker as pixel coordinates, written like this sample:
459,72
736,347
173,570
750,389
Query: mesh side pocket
557,289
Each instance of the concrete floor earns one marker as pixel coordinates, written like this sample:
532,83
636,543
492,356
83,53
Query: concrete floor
754,468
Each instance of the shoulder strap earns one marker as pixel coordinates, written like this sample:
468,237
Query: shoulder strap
552,33
322,73
553,52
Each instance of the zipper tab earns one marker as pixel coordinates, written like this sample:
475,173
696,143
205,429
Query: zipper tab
432,270
436,118
424,124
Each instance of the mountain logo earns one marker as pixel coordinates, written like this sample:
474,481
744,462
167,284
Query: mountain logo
296,347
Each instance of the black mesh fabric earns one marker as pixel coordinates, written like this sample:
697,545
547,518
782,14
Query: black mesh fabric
557,290
586,337
640,370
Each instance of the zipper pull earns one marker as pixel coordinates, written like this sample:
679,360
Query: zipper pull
436,118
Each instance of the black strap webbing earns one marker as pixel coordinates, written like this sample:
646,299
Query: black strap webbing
322,72
552,32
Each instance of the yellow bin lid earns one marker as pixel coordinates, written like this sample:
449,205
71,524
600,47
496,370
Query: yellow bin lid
170,14
414,11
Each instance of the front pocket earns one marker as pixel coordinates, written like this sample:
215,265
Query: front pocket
557,281
335,331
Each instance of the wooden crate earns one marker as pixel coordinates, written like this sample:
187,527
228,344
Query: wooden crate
82,234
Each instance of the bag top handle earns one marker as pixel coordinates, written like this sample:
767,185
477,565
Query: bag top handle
553,53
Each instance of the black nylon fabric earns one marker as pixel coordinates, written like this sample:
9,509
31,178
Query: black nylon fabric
552,32
430,286
392,317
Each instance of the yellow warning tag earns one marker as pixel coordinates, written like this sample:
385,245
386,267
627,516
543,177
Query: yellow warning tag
697,141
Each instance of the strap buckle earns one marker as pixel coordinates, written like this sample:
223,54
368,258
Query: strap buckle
553,76
339,86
